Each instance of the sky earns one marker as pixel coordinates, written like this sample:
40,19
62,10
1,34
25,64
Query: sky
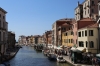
34,17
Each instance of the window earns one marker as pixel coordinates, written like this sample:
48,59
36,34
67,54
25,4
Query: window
76,41
86,44
82,33
85,32
3,17
71,32
81,44
69,40
66,34
3,24
78,17
64,28
79,34
88,11
92,10
91,44
3,36
90,32
92,3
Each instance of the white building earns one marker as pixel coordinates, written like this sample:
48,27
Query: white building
88,38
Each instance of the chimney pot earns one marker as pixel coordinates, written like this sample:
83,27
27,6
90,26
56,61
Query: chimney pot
78,3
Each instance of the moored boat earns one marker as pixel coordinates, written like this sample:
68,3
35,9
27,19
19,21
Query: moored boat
52,57
60,59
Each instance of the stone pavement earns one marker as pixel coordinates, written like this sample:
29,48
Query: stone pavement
69,61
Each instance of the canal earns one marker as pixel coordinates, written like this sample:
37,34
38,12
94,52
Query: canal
27,56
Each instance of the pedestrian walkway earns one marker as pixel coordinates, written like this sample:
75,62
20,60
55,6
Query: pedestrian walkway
69,61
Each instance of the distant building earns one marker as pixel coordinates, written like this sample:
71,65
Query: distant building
11,39
22,39
55,27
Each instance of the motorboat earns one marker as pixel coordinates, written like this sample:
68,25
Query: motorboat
52,57
60,59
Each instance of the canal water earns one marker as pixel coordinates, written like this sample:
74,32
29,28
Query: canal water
27,56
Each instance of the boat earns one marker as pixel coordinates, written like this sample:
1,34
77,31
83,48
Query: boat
60,59
52,57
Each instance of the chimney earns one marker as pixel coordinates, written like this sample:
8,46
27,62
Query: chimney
78,3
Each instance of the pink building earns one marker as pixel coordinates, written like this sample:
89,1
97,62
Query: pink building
75,33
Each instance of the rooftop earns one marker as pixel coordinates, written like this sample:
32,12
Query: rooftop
1,9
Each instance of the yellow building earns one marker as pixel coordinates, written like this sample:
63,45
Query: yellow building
67,38
88,38
70,38
64,38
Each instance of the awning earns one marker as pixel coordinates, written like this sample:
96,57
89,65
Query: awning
81,49
98,55
74,49
59,48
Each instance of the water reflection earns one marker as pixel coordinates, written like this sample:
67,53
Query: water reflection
27,56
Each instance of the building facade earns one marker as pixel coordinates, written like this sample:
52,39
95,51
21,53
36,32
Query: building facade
88,9
49,37
75,32
61,29
55,27
3,31
11,39
22,39
40,40
88,38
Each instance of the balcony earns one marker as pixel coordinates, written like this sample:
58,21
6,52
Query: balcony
1,28
59,28
85,7
88,6
78,12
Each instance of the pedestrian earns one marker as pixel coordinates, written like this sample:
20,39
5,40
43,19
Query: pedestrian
95,62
